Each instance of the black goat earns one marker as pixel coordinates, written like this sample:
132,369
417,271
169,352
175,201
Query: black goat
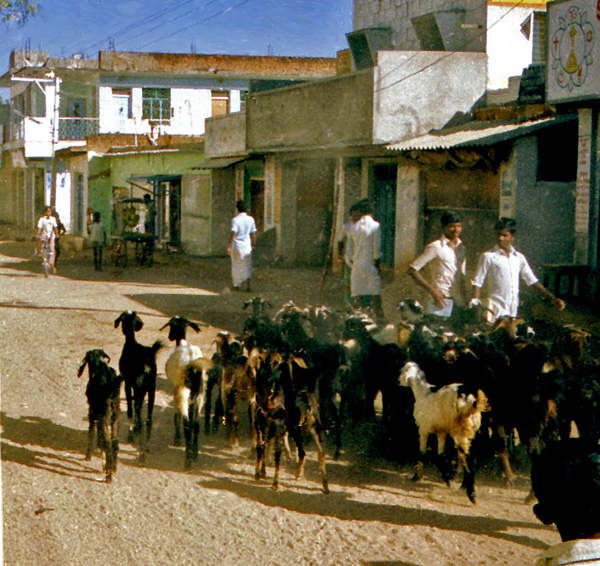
375,368
103,393
137,365
282,406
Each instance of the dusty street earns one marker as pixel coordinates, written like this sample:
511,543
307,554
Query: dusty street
58,511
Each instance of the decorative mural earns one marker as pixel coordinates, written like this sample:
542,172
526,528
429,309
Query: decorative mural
573,70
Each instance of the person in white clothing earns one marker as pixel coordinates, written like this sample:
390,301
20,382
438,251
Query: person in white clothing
47,233
502,268
447,260
566,481
239,247
363,255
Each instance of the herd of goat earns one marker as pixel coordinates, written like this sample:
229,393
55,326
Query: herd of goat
312,372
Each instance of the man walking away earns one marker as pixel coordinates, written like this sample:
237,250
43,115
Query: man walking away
239,247
364,256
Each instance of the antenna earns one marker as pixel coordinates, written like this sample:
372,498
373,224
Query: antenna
270,50
193,47
111,43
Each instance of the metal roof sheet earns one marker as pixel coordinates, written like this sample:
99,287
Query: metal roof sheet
476,134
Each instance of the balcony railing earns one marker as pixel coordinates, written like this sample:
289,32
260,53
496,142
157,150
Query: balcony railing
77,128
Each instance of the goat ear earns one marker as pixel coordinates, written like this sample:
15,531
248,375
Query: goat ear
138,323
247,304
105,356
168,324
119,320
194,326
82,366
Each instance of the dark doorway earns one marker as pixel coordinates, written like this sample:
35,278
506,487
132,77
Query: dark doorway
257,203
384,208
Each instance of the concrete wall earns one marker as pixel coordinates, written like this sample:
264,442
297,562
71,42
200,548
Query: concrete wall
222,208
196,214
321,113
226,135
397,14
415,92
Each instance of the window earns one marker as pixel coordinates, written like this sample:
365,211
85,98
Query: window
220,102
122,103
243,96
156,104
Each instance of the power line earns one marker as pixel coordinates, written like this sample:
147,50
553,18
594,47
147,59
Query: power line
162,24
175,5
451,54
196,23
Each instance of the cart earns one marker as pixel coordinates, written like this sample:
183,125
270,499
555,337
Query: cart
142,243
143,249
118,251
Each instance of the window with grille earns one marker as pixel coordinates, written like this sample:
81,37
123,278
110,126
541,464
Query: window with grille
156,104
220,102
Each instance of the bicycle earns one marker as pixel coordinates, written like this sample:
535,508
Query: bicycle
44,252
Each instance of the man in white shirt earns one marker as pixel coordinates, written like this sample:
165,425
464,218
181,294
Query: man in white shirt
447,259
566,481
363,255
502,268
239,247
47,232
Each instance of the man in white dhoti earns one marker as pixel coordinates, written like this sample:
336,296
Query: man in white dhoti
363,255
241,242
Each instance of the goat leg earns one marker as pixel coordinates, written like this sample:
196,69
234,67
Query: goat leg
275,485
151,394
129,399
90,439
469,475
177,424
319,444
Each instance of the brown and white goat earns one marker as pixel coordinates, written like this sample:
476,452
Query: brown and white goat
445,412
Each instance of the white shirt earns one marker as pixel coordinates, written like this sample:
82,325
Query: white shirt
242,226
47,224
446,262
503,271
584,551
97,233
363,249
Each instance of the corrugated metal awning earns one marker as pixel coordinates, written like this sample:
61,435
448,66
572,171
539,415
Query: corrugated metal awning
219,162
476,134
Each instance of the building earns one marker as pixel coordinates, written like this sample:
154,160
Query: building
59,104
411,127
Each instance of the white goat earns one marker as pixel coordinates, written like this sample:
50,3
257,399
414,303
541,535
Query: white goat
177,365
445,412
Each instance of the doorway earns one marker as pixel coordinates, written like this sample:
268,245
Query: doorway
384,208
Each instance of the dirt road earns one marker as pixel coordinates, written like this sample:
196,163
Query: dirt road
58,511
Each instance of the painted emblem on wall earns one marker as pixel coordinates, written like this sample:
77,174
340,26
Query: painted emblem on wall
571,48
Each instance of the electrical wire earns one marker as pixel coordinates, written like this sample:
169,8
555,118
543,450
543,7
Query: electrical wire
451,54
233,6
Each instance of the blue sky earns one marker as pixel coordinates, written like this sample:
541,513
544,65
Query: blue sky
245,27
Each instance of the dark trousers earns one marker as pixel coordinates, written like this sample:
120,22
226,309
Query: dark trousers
97,256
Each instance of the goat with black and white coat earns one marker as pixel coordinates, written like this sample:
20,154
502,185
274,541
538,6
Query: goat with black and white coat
186,369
